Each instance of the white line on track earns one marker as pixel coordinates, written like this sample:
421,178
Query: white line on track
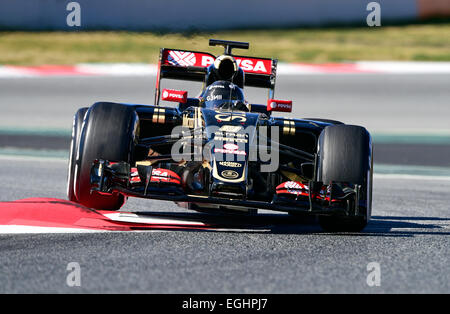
133,218
394,176
21,229
140,69
33,158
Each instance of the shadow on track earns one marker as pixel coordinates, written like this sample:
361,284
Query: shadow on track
381,226
398,226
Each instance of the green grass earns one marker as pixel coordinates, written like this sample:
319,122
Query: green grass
422,42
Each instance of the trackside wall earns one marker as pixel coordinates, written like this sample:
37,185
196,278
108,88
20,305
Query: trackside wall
182,15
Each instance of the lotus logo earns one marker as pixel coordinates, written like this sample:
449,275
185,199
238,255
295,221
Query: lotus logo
229,174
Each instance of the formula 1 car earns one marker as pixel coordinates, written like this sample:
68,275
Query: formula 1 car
220,152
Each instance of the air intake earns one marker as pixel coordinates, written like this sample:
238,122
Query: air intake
226,67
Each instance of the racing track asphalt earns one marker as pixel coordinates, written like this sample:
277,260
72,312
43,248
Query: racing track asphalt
408,235
384,153
382,103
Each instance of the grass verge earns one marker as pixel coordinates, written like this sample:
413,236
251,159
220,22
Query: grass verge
421,42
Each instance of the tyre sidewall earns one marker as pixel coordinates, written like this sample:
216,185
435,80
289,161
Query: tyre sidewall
109,133
345,155
74,143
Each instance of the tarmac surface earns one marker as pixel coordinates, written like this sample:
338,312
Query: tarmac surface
408,235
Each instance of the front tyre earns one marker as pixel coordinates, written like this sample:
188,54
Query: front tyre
74,143
109,133
345,155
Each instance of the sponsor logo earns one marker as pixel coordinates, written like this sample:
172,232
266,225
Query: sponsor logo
230,134
174,95
230,139
279,105
229,174
207,61
229,151
274,105
246,64
213,97
159,173
216,86
227,117
187,58
230,146
230,164
230,128
250,66
296,188
295,185
181,58
164,175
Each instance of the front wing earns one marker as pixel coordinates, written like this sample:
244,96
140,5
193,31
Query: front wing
116,177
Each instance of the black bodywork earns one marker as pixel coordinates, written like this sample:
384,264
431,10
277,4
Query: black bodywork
218,179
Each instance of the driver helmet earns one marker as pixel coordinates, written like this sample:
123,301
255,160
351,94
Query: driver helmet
224,95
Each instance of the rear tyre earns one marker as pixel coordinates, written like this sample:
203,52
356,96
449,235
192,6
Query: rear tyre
76,131
345,155
108,133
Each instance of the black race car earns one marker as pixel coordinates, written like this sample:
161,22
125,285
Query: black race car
219,152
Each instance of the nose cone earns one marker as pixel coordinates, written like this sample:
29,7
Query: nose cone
230,135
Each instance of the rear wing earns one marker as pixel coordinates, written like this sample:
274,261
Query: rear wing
192,66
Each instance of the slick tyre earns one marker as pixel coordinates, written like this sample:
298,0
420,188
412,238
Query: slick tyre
345,155
74,143
108,133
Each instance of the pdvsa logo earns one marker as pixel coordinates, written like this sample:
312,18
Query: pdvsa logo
248,65
182,58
